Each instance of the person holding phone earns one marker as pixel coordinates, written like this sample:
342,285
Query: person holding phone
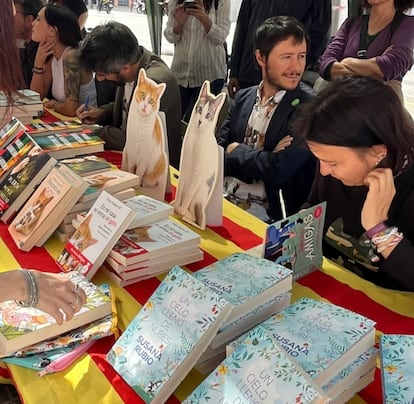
364,141
198,29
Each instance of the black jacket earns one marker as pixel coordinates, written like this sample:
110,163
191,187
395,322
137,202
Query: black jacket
291,170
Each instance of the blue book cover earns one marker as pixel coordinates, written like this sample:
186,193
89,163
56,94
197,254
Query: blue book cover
322,337
397,368
347,377
258,371
296,242
170,332
245,281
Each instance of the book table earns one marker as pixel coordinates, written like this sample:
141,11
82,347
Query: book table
92,380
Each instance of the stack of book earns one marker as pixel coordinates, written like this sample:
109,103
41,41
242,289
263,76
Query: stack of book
258,371
255,287
46,128
163,342
98,232
9,131
119,183
27,105
397,368
149,250
65,145
335,346
41,214
21,327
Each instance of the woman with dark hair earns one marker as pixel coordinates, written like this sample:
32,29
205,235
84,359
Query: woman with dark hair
378,44
198,29
51,293
56,67
364,140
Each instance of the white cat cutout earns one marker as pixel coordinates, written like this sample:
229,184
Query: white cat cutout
145,153
199,199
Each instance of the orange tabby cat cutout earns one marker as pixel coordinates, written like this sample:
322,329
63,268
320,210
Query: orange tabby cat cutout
199,199
145,152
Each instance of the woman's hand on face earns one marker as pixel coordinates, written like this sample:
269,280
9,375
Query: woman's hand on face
58,295
381,192
44,50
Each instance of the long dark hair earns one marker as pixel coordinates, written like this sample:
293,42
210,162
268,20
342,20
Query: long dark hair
11,76
66,24
359,112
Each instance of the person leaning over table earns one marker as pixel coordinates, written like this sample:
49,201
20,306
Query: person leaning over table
364,140
113,52
48,292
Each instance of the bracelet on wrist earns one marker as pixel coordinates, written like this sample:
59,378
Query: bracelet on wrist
38,70
376,229
32,297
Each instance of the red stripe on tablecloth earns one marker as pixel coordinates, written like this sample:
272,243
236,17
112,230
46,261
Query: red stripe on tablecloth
123,389
207,260
372,393
388,321
37,258
241,236
141,291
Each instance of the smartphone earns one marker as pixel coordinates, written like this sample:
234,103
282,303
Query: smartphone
190,4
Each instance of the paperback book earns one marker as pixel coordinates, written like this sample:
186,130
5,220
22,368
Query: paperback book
95,236
151,241
258,371
245,281
397,368
322,337
87,165
147,210
43,211
111,181
66,145
22,180
48,128
296,242
9,131
163,342
24,326
15,152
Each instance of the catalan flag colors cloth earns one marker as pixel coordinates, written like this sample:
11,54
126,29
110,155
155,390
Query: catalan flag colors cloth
92,380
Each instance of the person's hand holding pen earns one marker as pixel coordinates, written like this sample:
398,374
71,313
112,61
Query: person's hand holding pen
89,115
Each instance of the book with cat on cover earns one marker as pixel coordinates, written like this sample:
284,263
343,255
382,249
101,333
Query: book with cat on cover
296,242
24,326
397,368
22,180
258,371
245,281
151,241
9,131
95,236
111,181
322,337
147,210
164,340
66,145
43,211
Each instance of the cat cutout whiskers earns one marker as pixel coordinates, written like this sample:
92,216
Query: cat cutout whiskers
201,165
145,152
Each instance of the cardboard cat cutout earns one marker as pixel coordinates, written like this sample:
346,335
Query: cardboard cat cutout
145,152
199,199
